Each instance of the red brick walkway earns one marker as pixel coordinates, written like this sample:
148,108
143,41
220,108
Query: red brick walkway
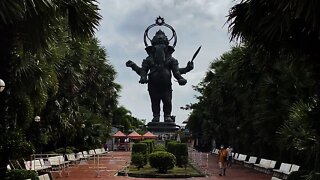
114,161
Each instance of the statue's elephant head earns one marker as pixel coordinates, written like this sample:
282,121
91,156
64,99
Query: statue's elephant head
160,53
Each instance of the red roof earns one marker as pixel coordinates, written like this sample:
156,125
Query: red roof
149,135
134,135
119,134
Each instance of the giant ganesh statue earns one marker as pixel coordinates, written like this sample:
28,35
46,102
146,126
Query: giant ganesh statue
157,69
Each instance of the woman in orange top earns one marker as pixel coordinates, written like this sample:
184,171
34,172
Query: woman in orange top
222,160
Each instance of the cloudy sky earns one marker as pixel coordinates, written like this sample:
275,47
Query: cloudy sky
196,22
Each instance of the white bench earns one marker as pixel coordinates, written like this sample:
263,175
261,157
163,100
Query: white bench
284,169
58,162
262,165
292,169
72,157
92,152
215,151
235,156
36,165
86,154
252,160
241,158
271,166
275,178
44,177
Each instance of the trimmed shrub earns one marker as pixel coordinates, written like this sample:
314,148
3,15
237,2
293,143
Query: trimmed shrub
16,174
163,161
150,144
142,149
138,159
159,147
180,150
170,145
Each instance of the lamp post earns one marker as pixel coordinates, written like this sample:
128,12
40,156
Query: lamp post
37,120
2,85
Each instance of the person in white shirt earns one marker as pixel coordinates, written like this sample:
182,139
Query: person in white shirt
229,160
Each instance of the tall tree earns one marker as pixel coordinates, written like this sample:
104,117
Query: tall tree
28,26
286,28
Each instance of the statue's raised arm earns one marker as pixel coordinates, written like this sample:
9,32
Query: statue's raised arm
134,67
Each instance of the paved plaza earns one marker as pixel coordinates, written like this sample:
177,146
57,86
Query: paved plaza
112,162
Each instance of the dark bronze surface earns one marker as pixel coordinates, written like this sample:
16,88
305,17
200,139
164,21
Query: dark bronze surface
157,69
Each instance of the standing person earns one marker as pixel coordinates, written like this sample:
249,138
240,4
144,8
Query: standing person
229,161
222,160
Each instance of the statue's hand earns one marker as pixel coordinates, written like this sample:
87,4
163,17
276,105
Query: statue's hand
130,63
182,81
143,80
190,66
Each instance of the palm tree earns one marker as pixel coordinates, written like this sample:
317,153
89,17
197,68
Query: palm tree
302,136
289,31
27,28
292,25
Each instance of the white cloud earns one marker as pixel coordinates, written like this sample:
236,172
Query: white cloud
197,22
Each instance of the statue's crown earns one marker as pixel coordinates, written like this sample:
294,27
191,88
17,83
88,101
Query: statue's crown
160,38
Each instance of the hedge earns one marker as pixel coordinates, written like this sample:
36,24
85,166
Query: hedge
138,159
17,174
159,147
163,161
150,144
140,148
180,150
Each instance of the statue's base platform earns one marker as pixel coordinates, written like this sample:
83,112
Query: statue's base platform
162,127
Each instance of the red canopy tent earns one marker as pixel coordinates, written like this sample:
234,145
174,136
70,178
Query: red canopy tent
121,143
149,135
119,134
134,135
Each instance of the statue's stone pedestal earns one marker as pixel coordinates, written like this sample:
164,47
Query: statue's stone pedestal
162,127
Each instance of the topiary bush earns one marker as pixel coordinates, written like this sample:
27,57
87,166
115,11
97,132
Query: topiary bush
159,147
138,159
142,149
163,161
180,151
17,174
150,144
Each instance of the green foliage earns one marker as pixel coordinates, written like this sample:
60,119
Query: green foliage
249,94
36,43
150,144
163,161
141,148
15,146
159,147
180,151
258,22
123,117
66,150
300,135
138,159
21,174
